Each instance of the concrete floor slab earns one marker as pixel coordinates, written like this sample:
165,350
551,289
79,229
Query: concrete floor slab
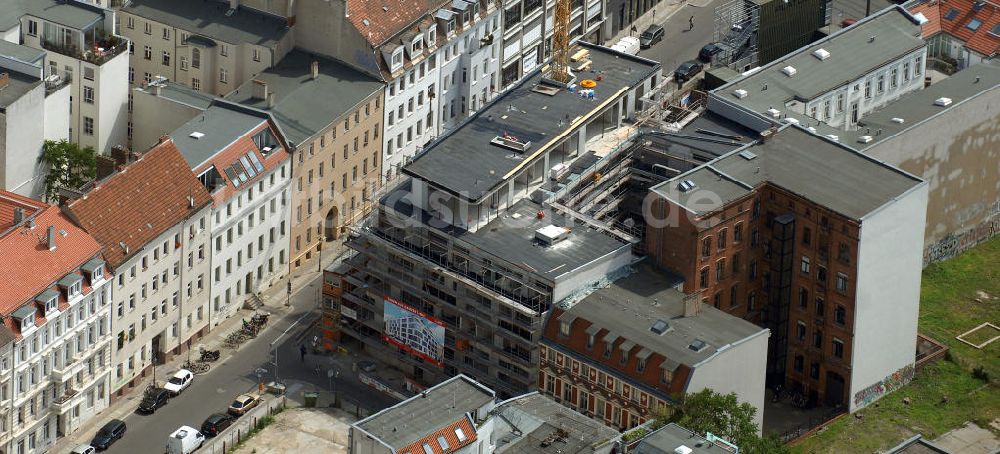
302,431
969,439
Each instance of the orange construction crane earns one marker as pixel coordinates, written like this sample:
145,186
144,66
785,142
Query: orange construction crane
560,43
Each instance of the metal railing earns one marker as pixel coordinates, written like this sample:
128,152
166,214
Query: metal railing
244,426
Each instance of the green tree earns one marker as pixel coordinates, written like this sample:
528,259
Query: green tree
723,415
69,166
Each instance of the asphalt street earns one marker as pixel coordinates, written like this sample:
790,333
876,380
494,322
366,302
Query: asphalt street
679,44
237,373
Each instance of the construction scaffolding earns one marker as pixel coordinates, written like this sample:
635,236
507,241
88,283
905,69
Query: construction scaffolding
737,23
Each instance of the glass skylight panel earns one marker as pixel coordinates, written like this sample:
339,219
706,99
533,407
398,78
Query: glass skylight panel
256,162
246,165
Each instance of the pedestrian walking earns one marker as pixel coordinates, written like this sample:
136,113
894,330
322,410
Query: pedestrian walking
302,351
691,23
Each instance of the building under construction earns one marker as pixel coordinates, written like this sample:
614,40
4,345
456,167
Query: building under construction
487,233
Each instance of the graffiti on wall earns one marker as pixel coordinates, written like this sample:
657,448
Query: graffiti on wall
956,243
888,384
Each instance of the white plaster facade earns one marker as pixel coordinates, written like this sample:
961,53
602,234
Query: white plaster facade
67,357
98,115
438,91
161,297
849,103
250,241
22,133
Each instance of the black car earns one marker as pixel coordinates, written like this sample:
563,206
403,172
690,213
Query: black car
710,50
216,423
110,433
651,36
153,399
687,70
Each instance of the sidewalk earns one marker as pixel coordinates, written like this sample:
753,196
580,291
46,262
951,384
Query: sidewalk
275,298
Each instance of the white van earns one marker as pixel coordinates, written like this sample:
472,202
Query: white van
184,440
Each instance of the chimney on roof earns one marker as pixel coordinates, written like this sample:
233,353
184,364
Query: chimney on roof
120,155
51,236
346,13
233,4
260,90
18,215
190,202
4,80
270,100
314,69
156,88
692,304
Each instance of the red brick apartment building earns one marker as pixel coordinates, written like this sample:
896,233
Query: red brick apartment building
623,353
776,234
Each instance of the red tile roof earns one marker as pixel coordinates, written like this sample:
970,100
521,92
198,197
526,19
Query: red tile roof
981,40
139,203
448,432
386,18
27,264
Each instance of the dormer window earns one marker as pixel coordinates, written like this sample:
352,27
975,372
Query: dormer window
48,301
397,59
564,328
25,317
73,284
417,46
431,37
451,26
94,270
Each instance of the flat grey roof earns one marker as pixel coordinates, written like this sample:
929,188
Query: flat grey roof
21,53
464,162
511,238
813,167
529,419
426,413
852,55
671,436
221,127
208,18
917,106
182,94
18,85
630,306
71,13
303,106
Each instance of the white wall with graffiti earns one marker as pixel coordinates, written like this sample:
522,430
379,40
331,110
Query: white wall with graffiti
887,291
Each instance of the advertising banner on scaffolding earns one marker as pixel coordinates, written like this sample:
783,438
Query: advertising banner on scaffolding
419,334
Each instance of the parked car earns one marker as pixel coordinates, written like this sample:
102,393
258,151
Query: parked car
216,423
83,449
687,70
153,399
651,36
184,440
110,433
366,365
848,22
243,404
708,51
179,382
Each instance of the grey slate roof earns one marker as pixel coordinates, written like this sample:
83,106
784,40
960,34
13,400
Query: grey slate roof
827,173
671,436
513,239
184,95
919,105
21,53
304,107
208,17
18,86
464,162
529,419
852,55
421,415
71,13
221,126
630,306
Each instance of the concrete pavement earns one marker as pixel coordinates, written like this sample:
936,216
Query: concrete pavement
234,373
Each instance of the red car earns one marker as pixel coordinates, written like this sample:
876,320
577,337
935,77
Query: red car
848,22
